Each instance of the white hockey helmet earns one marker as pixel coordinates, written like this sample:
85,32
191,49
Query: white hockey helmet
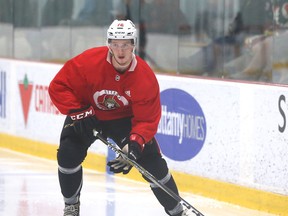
122,29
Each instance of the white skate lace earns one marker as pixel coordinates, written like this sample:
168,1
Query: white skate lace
71,210
186,212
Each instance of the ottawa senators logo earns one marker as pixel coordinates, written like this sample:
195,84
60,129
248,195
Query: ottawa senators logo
109,100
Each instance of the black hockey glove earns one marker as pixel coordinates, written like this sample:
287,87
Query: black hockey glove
133,150
119,165
84,121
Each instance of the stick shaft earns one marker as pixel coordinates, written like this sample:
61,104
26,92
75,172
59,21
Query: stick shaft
148,175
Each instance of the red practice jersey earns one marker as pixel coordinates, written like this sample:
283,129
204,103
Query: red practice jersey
90,79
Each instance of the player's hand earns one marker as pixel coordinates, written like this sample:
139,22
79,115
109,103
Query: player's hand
84,122
134,150
119,165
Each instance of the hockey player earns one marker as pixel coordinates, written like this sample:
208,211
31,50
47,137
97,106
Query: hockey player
112,90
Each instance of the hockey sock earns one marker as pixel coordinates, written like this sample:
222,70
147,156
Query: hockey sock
157,166
71,183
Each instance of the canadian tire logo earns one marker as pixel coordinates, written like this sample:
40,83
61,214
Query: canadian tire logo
25,93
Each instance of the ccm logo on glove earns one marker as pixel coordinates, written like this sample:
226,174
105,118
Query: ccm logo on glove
84,122
82,114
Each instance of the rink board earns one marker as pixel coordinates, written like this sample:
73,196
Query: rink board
238,129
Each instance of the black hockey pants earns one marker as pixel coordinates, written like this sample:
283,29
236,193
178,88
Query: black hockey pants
72,152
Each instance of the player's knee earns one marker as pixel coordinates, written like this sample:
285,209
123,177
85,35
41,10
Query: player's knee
70,157
156,165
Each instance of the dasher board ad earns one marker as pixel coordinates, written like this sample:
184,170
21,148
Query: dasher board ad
227,131
235,132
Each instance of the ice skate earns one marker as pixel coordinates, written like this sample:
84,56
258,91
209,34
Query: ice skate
72,210
186,212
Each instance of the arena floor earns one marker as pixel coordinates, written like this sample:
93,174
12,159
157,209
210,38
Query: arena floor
29,187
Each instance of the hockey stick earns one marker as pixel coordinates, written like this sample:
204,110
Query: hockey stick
144,172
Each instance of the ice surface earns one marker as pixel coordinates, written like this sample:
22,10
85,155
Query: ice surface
29,187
